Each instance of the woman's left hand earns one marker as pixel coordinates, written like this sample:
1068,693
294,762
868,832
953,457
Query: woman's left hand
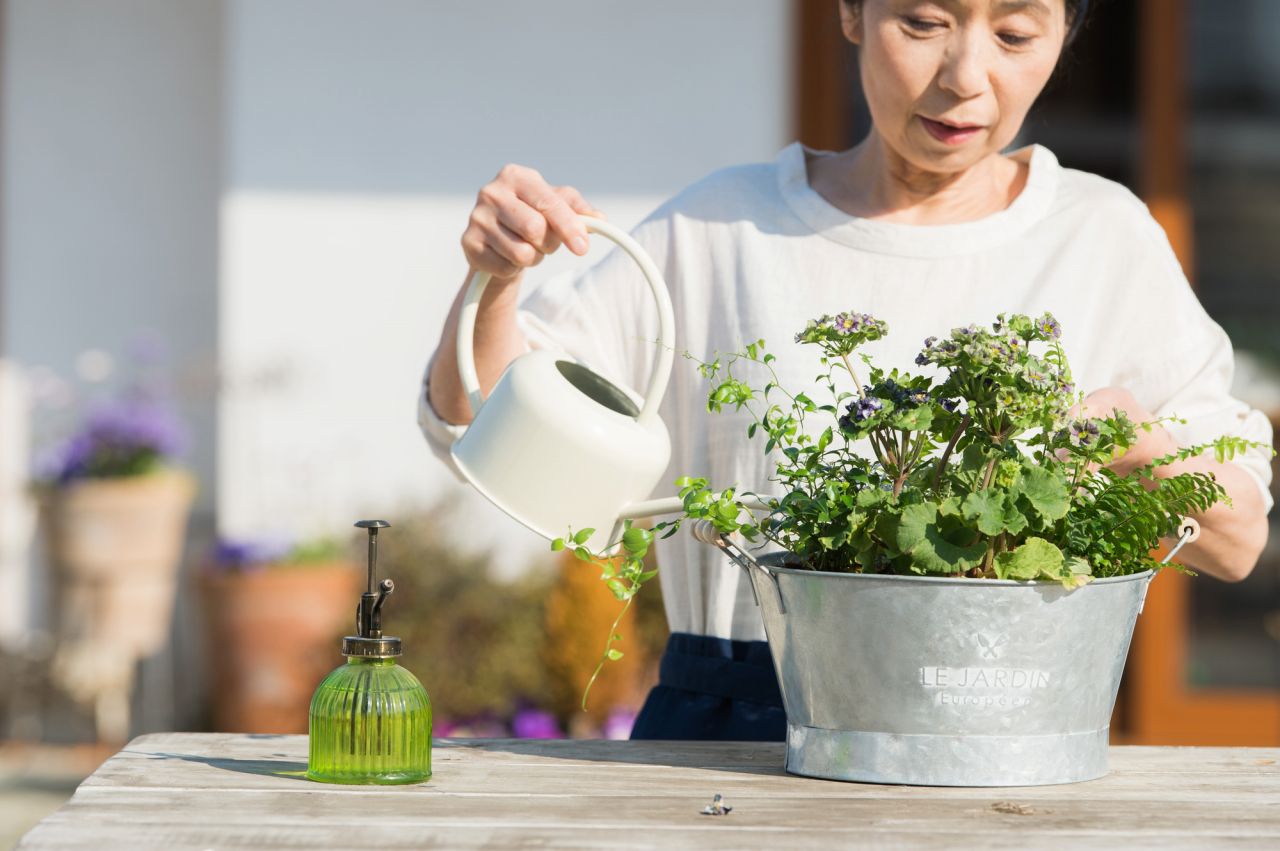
1150,445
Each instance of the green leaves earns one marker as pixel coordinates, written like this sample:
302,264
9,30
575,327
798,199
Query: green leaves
1045,491
993,512
1035,559
933,542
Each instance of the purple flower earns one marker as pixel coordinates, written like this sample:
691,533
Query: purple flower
1084,432
619,723
860,410
248,554
845,323
950,404
1049,327
125,438
535,724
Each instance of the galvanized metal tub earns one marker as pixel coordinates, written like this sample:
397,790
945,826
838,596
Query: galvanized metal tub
945,682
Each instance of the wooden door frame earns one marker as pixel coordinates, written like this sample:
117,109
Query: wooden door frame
1161,707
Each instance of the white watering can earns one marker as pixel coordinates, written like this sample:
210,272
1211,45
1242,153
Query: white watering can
556,445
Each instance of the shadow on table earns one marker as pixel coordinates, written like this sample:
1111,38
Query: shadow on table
765,758
263,767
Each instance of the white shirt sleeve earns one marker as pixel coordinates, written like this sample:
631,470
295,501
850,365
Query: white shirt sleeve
1184,362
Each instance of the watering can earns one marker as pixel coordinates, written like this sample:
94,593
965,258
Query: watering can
557,445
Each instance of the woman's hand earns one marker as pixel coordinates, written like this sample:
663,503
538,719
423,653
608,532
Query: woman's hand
1232,537
518,219
1151,444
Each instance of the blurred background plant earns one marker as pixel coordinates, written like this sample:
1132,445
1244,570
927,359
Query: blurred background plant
511,657
108,424
274,613
114,502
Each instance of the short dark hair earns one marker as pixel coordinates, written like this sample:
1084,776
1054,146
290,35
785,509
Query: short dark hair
1077,10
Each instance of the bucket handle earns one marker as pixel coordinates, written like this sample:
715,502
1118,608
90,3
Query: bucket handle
1188,533
707,534
666,323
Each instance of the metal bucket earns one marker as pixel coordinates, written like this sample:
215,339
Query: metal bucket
945,682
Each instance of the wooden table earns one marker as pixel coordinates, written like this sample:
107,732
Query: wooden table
182,790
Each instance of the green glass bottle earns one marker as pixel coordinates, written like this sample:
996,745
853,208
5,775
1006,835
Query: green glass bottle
370,719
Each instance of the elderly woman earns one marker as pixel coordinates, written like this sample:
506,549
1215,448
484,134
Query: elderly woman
928,223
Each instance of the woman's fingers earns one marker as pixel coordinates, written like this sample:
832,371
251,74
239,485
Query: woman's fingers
519,218
579,204
491,248
513,248
561,219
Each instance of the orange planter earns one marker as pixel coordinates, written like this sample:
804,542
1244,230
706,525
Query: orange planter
273,635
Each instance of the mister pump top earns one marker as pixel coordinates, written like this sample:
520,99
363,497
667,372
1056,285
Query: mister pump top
370,719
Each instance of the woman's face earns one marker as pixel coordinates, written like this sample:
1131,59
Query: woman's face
949,82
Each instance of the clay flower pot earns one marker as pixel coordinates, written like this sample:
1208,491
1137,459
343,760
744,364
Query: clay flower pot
115,545
273,636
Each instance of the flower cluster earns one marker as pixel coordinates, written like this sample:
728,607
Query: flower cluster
898,398
1009,389
248,555
129,437
254,554
839,335
860,410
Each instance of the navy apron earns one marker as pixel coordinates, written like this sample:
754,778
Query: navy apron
713,689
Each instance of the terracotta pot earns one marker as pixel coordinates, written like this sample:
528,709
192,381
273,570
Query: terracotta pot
115,546
273,635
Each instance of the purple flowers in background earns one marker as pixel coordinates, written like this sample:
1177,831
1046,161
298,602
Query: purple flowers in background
535,724
619,723
248,555
129,436
532,723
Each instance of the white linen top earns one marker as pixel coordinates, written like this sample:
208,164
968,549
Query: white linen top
754,252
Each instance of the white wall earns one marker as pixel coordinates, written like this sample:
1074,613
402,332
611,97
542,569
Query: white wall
357,136
110,183
276,190
110,186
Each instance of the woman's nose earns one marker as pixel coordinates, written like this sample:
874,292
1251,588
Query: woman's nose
964,71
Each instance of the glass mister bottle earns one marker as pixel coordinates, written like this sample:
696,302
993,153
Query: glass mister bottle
370,719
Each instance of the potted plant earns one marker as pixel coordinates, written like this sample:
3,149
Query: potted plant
953,604
275,614
114,506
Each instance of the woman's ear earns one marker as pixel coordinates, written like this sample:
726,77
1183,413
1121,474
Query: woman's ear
851,20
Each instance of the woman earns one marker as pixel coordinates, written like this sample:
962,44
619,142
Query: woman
927,225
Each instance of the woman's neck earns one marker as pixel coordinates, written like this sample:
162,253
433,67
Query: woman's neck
872,182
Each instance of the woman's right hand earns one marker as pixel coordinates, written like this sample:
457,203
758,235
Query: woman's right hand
519,218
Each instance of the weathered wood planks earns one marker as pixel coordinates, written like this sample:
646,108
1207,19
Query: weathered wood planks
236,791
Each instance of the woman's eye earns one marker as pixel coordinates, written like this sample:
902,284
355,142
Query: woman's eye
920,25
1015,39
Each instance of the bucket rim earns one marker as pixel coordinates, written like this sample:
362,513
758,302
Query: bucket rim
764,562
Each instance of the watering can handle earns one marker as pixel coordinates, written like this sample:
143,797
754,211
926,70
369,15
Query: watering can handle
666,323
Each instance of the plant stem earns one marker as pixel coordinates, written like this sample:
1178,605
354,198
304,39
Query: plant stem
608,645
989,473
857,382
946,455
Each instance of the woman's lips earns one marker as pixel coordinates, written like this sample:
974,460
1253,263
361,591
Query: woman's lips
950,134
